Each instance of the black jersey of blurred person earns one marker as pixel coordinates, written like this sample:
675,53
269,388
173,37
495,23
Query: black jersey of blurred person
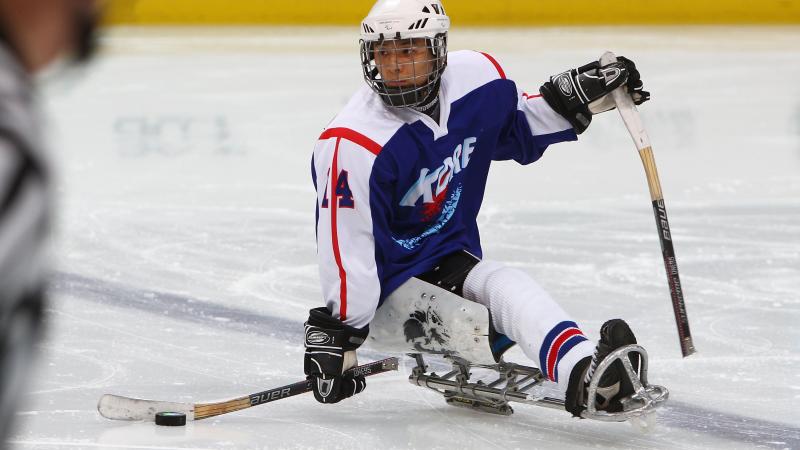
25,200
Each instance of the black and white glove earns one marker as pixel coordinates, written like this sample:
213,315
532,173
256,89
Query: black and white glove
577,94
330,351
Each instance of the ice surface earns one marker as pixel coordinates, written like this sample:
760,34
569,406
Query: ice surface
186,254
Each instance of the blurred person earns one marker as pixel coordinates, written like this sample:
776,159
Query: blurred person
400,175
34,34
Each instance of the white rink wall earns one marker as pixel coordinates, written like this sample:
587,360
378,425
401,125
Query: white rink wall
185,253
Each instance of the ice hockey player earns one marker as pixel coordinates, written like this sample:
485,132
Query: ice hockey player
400,175
33,34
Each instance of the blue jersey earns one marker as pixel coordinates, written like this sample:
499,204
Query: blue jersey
397,191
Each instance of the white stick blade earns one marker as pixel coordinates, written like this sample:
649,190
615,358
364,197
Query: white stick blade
116,407
608,58
627,109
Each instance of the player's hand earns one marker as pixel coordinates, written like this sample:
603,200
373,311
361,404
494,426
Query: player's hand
333,388
634,84
330,352
577,94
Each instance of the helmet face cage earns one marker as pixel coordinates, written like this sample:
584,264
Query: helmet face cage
415,92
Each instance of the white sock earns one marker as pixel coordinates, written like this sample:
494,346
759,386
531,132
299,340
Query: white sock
524,312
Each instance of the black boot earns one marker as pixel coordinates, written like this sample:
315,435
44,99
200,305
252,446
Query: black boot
615,383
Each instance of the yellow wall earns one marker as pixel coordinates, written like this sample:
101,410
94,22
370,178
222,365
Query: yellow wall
462,12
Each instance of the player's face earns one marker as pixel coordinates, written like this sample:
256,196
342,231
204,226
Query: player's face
404,63
44,30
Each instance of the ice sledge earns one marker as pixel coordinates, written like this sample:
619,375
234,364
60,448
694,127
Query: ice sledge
421,319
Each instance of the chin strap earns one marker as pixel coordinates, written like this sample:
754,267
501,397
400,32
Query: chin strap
431,105
426,106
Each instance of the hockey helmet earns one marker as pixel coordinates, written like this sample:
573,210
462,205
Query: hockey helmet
394,23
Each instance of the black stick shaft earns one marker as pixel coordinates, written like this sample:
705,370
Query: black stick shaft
301,387
673,278
259,398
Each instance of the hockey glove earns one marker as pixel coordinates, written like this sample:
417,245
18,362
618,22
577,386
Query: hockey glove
579,93
330,351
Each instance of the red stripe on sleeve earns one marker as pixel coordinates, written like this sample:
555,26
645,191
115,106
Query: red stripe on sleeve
496,65
352,136
334,204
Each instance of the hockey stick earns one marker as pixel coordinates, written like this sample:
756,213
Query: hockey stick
116,407
630,115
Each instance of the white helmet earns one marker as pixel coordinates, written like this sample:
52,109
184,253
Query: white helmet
397,20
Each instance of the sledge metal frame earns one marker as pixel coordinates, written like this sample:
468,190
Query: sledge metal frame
514,383
458,330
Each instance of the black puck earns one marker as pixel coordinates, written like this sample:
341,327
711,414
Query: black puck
171,419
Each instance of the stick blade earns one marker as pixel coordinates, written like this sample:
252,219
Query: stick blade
116,407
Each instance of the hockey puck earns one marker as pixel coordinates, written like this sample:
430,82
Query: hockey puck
171,419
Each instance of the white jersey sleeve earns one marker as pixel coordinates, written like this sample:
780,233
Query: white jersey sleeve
481,68
541,118
342,165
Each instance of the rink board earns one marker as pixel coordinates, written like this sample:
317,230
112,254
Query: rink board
462,12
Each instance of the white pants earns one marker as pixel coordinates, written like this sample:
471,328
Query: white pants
524,312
